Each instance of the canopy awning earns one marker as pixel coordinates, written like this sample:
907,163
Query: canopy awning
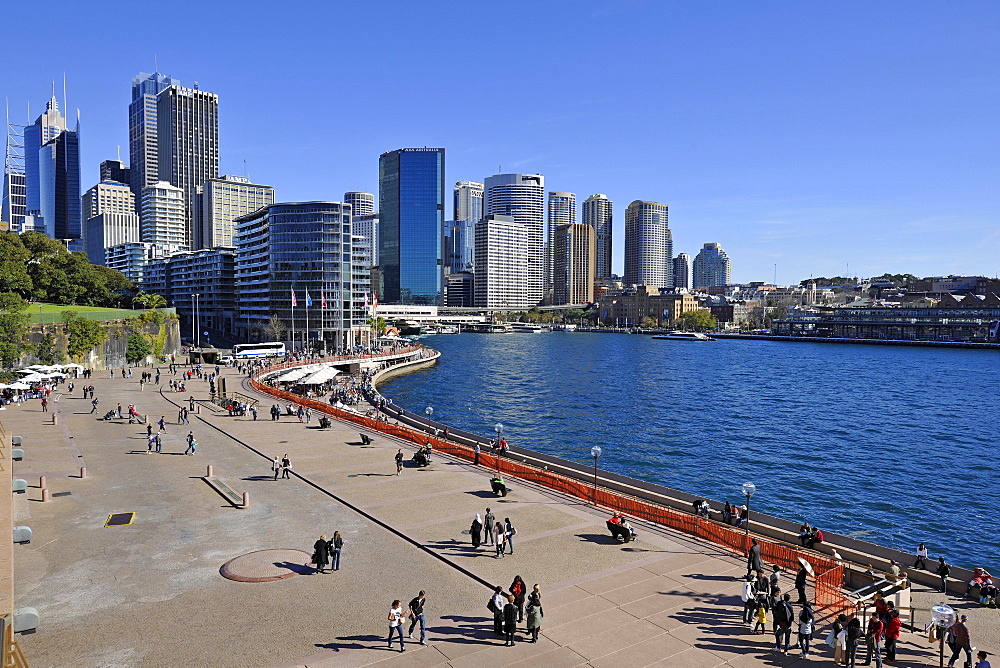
289,376
321,376
19,386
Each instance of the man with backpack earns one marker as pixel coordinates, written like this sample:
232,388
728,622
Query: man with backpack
783,616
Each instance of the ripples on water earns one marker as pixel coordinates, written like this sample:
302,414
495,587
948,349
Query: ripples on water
876,441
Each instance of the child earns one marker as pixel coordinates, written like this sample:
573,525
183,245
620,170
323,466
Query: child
761,620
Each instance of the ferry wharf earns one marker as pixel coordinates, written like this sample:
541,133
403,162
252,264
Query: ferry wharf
153,592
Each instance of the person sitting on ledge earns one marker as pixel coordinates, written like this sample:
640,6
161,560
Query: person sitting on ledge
625,525
615,519
805,532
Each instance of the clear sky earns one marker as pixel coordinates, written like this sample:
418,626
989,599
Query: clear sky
810,136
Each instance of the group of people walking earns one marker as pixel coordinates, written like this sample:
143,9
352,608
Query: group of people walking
515,606
493,532
326,553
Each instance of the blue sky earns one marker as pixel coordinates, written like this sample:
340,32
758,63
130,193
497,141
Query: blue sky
808,135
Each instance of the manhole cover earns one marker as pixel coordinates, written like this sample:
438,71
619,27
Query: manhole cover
267,565
119,519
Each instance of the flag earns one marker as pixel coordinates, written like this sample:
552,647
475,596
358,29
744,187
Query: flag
295,302
374,301
366,300
322,297
309,300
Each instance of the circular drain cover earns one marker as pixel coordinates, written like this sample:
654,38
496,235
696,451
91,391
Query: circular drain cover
267,565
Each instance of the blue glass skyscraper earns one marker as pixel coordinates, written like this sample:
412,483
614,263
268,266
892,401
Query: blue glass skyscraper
52,173
411,208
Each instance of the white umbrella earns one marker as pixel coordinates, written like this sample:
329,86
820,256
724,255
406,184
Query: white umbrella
19,386
289,376
26,372
73,366
33,378
321,376
57,374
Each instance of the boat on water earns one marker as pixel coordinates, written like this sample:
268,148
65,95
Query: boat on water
487,328
527,327
678,335
564,328
438,328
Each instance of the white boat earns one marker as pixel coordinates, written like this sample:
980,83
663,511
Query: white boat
684,336
527,327
564,328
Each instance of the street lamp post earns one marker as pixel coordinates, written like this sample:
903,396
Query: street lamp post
943,617
429,412
748,489
595,452
498,428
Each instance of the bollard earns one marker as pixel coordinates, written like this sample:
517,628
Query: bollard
46,496
211,471
83,471
55,418
42,482
246,499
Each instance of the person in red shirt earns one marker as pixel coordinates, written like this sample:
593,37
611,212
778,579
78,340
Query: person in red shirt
892,627
875,630
961,634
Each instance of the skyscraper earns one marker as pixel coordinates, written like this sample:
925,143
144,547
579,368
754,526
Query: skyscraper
468,202
459,246
411,221
52,174
573,269
115,170
187,139
597,212
13,207
522,197
682,271
562,211
220,202
362,204
367,227
711,267
109,218
162,219
142,130
648,245
501,278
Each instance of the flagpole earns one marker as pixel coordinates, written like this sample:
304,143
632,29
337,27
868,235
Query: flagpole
293,319
305,342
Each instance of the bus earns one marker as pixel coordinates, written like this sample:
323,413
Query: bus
246,351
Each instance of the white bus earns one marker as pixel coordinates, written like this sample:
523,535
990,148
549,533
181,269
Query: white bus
245,351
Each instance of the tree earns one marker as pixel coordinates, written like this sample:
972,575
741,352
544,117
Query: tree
82,334
648,323
695,320
148,300
275,329
377,325
13,328
47,352
14,258
138,348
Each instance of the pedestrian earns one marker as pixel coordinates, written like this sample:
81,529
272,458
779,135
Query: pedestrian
488,522
960,634
477,532
749,600
336,545
180,415
150,443
892,628
308,416
800,584
839,637
873,638
191,404
535,613
509,621
943,571
159,443
498,539
45,405
783,618
775,577
475,461
761,624
253,411
417,615
921,557
508,533
286,467
276,466
518,590
396,624
982,662
321,554
399,461
191,444
94,404
162,423
806,621
853,638
754,562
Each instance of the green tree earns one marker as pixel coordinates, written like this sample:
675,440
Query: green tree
138,348
82,334
275,329
14,258
695,320
377,324
47,352
648,323
13,328
148,300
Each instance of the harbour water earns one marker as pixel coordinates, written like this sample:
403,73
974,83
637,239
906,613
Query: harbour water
892,445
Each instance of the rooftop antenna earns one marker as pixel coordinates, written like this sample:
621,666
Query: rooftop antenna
119,152
156,64
66,104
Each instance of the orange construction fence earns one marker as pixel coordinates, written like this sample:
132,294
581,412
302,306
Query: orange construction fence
829,573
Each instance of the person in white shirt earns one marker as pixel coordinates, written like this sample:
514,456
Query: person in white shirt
921,556
396,623
749,600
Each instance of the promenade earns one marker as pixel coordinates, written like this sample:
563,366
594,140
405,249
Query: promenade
151,593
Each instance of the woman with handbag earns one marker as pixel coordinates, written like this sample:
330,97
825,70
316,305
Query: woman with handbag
837,639
535,613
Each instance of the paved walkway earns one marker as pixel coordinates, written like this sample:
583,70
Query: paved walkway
150,594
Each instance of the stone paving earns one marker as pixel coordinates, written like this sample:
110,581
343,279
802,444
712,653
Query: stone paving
151,594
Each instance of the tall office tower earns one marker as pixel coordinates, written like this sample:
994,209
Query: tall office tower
522,197
109,218
574,265
562,211
597,212
362,204
468,201
115,170
366,227
162,218
649,245
411,222
286,249
52,173
142,130
459,246
711,267
187,139
501,278
220,202
682,271
108,197
14,203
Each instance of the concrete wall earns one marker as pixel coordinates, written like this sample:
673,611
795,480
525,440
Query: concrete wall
110,354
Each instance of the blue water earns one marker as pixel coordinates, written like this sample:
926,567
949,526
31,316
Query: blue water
894,445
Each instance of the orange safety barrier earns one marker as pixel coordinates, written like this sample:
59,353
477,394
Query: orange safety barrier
828,573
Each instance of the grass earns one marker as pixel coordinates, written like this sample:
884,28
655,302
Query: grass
53,312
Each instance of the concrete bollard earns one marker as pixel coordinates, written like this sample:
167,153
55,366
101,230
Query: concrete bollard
211,471
83,471
55,418
46,495
246,499
42,482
